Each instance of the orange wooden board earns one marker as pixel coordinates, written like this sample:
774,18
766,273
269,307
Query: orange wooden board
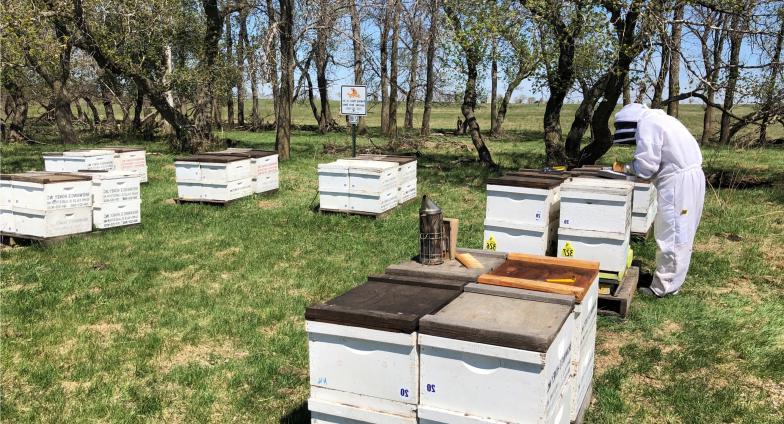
532,272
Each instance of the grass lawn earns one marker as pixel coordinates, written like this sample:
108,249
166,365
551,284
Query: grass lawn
197,314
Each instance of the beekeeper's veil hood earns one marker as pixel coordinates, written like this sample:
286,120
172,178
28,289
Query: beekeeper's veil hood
626,123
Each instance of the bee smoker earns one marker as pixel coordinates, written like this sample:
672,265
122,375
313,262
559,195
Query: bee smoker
431,233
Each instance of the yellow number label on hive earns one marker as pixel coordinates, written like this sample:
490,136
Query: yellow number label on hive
491,244
567,251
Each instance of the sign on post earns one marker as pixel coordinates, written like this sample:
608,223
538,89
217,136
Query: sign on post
353,100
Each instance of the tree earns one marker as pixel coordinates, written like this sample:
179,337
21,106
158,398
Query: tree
675,58
430,66
393,68
468,33
286,90
358,51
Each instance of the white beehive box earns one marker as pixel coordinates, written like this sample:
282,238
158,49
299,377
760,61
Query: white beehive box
113,186
522,200
7,224
596,204
364,342
73,161
263,164
131,160
610,249
213,169
46,191
371,177
505,236
117,214
333,186
479,364
642,222
221,192
51,223
373,203
338,407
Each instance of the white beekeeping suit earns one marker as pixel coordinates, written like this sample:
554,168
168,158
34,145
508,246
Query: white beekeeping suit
668,154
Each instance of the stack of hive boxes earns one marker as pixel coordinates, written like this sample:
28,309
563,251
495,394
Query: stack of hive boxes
263,167
79,160
595,222
572,279
522,212
406,175
644,205
213,178
365,186
116,198
40,204
427,344
644,201
130,160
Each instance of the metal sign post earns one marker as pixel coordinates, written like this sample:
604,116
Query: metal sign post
353,103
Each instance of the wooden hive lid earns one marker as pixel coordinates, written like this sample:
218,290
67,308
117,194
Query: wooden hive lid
499,320
251,153
382,306
45,177
530,182
450,269
531,272
420,280
400,159
122,149
211,158
560,176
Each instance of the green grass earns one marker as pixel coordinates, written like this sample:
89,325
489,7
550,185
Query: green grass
197,314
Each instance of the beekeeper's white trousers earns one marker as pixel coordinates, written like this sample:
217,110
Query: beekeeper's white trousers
681,197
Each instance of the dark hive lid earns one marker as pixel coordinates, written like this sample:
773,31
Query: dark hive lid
211,158
382,306
530,182
421,280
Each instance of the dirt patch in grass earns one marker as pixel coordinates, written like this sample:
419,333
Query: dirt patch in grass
180,278
669,328
608,352
228,252
69,387
205,354
268,204
103,329
741,286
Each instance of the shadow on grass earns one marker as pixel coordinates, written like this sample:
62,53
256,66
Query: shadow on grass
298,415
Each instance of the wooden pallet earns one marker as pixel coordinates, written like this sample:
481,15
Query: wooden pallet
181,201
375,215
618,304
13,239
584,407
642,236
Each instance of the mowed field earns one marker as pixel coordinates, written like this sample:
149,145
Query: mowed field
197,314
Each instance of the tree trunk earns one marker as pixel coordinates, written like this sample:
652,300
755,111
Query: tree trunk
494,89
430,65
627,91
472,61
283,118
272,58
664,68
241,46
250,52
356,38
559,85
675,59
770,89
110,121
511,86
384,65
93,111
229,92
167,58
712,62
137,110
321,56
62,114
736,40
412,83
393,67
15,107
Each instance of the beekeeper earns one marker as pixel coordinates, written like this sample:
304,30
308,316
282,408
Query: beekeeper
667,153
